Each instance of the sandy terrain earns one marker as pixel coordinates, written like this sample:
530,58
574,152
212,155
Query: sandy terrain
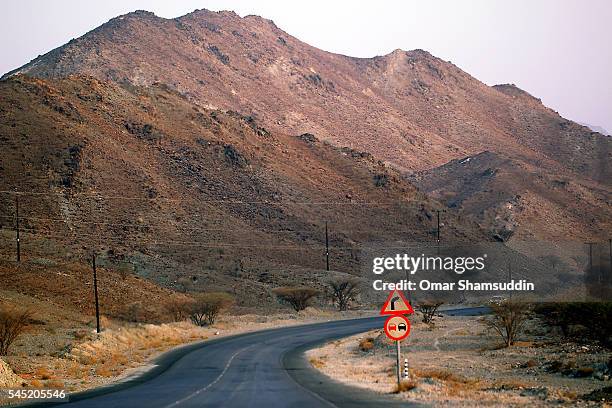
459,363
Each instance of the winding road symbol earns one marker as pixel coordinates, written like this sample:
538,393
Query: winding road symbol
396,304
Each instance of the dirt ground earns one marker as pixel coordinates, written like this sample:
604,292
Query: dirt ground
458,363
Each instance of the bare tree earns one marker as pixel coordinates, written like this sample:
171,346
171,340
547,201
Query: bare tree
508,319
178,307
298,297
207,306
12,323
344,291
428,309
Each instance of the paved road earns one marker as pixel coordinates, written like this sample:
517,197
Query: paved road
261,369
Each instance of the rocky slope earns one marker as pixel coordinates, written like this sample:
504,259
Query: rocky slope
410,109
190,196
518,201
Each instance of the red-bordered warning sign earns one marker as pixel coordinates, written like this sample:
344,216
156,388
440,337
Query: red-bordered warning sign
396,304
397,327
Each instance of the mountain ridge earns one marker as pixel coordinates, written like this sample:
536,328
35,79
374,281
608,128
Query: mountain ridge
409,109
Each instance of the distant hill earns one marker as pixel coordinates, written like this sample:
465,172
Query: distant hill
597,129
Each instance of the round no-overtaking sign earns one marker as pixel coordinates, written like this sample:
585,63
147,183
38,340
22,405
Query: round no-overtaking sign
397,327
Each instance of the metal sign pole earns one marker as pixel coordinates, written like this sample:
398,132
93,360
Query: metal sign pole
398,363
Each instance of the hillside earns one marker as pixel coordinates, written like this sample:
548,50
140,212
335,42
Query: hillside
408,108
188,196
518,201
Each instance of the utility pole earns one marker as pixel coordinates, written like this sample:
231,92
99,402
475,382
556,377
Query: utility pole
17,227
610,270
590,268
326,246
95,281
510,276
438,229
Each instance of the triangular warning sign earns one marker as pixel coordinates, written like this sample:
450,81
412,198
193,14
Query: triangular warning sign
396,304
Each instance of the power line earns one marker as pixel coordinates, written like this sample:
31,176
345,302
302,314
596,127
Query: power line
63,221
192,243
98,196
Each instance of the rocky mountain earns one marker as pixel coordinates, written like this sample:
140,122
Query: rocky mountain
192,196
408,108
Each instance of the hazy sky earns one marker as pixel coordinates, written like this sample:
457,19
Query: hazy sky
558,50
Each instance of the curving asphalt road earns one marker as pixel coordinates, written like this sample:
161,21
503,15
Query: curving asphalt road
260,369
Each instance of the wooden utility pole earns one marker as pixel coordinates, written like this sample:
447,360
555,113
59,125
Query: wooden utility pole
326,246
510,276
95,282
610,270
17,227
591,266
438,229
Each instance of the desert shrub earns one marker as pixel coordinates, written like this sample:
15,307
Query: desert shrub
429,309
596,317
134,312
366,344
381,180
508,319
178,307
125,269
343,291
12,323
206,307
298,297
584,372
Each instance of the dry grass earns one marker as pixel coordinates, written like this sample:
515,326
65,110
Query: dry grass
405,385
43,373
510,385
570,395
440,374
56,384
317,362
457,385
104,370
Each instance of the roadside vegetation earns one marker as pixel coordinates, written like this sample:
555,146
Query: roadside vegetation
206,307
13,322
429,309
299,298
344,292
508,319
522,354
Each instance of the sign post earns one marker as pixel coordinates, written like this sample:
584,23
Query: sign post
397,326
399,377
